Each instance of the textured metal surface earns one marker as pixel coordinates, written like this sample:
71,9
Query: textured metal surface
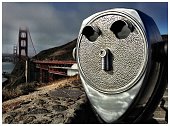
129,56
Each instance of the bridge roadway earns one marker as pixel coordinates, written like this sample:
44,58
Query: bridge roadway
48,68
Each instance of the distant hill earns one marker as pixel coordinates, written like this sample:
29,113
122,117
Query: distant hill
63,52
165,37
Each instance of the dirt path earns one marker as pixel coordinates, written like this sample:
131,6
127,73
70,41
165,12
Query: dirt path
55,103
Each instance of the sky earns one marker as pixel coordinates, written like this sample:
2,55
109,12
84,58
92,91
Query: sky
55,24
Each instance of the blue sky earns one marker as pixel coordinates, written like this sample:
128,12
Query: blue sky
54,24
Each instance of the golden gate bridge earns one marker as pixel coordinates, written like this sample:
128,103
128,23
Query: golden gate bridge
40,70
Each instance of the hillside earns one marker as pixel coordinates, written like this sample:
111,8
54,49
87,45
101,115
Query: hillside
63,52
165,37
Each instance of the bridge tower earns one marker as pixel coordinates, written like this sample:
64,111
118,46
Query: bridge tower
15,53
23,42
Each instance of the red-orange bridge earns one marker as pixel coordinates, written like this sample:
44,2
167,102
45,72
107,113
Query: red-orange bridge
47,70
40,70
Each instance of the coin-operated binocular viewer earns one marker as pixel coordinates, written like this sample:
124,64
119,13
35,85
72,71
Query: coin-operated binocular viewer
122,63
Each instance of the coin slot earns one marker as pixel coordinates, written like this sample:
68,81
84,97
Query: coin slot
106,59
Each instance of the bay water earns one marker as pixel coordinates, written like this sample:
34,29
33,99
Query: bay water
7,67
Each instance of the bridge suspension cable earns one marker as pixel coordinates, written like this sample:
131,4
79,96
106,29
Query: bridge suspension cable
32,42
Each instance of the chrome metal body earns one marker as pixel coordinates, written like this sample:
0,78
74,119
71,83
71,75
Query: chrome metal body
112,89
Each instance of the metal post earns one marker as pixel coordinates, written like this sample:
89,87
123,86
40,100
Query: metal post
41,74
26,71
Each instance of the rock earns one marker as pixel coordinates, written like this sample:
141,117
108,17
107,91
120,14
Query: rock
26,102
20,118
60,115
71,103
39,102
44,95
3,111
70,100
13,114
57,102
9,119
59,108
43,121
57,120
65,93
16,107
38,111
29,119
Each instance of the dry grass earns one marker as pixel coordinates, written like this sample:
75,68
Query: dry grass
8,107
21,89
26,88
69,81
